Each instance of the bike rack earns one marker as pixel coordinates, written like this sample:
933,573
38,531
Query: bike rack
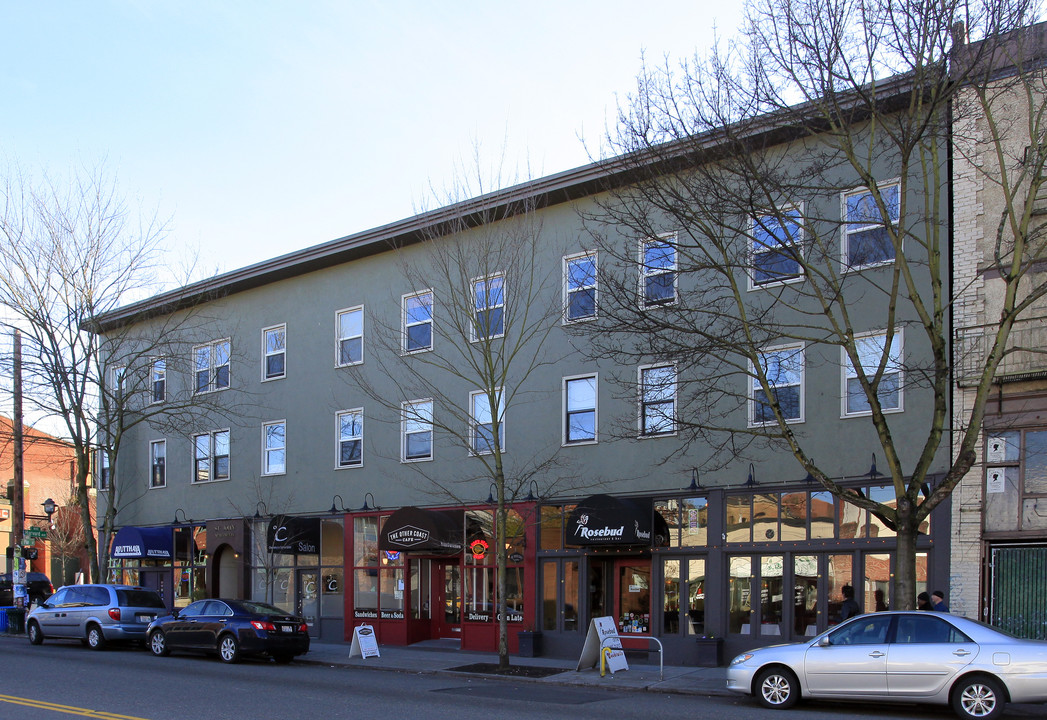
661,652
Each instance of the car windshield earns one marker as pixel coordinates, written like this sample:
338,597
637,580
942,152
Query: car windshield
139,598
262,608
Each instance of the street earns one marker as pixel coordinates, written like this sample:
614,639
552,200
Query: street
58,680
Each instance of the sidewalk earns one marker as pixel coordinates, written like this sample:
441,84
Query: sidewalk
439,657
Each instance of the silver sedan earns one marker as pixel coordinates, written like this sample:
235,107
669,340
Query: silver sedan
923,657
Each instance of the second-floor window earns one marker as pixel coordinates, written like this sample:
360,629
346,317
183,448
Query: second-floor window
489,307
102,469
274,450
274,349
870,349
158,380
212,366
776,244
158,464
350,438
417,430
119,382
350,349
418,321
580,287
579,398
783,367
211,456
866,238
483,437
658,271
657,400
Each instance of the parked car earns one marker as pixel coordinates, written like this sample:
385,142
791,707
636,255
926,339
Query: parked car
920,657
232,629
95,614
37,585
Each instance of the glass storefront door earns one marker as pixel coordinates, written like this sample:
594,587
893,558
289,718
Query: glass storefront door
447,595
633,596
307,599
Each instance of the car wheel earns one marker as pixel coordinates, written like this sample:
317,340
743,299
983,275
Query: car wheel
978,697
228,649
283,658
36,636
95,638
158,644
777,688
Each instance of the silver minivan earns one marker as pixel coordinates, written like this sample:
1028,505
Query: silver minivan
95,614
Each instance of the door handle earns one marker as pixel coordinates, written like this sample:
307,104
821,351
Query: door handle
961,653
876,654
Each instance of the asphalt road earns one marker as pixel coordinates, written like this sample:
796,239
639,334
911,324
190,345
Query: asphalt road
62,680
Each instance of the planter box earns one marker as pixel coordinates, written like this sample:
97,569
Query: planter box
710,652
530,643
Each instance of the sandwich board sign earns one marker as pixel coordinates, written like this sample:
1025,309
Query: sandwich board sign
365,644
599,629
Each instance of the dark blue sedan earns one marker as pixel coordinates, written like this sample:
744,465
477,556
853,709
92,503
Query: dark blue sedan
232,629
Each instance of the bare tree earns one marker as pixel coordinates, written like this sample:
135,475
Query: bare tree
791,194
471,337
69,255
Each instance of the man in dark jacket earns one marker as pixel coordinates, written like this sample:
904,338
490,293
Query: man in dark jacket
848,608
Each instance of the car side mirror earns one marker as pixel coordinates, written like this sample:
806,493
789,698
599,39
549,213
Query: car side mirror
823,641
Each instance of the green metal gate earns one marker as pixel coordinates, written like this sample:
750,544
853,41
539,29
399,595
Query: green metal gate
1018,600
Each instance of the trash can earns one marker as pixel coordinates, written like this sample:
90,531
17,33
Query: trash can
15,620
3,618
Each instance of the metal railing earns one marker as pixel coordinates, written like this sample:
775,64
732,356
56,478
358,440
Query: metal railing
619,638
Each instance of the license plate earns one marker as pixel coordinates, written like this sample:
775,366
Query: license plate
287,628
146,618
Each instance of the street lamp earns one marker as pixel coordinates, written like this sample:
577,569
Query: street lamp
49,509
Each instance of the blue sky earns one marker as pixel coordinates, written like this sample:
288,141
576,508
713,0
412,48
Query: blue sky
262,127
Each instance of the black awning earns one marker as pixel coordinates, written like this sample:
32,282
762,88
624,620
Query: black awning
606,521
143,542
425,531
293,536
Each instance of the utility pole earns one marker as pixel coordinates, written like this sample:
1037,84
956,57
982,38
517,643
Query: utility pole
18,499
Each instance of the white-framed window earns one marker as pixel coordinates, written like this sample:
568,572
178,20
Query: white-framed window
579,278
416,423
776,241
350,425
784,367
158,464
482,437
274,352
118,380
870,349
489,307
102,469
212,365
579,409
866,240
158,380
417,321
350,328
211,456
658,271
274,447
657,400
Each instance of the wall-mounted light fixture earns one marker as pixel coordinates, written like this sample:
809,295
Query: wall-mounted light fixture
751,480
367,508
184,521
695,484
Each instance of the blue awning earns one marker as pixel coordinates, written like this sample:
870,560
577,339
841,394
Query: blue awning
140,542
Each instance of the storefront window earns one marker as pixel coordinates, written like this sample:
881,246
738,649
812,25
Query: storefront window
190,567
852,520
840,572
332,554
772,568
550,583
365,592
479,594
365,541
805,595
694,522
551,535
391,598
670,512
671,596
877,582
696,597
634,598
794,516
739,591
739,518
765,518
823,515
885,496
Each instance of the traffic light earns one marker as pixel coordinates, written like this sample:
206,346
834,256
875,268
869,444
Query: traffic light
29,553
